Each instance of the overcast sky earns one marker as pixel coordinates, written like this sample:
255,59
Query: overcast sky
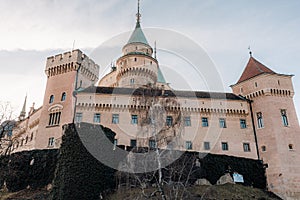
32,30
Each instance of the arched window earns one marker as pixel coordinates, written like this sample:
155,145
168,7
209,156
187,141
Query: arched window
63,96
51,99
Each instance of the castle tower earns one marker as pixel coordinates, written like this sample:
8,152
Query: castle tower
276,125
66,73
137,67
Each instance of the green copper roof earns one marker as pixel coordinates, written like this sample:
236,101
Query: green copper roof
160,77
137,35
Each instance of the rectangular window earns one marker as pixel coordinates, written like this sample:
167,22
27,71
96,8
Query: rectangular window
188,145
246,147
243,123
133,143
187,121
204,122
97,118
115,119
152,144
51,142
78,117
54,118
169,121
134,119
206,146
224,146
284,118
260,122
222,123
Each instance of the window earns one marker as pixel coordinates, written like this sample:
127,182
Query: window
206,146
115,142
152,144
188,145
97,118
131,81
169,121
255,84
222,123
134,119
243,123
224,146
54,118
263,148
204,122
291,147
78,117
187,121
51,99
133,143
260,122
284,118
246,147
135,59
241,90
63,96
51,142
115,119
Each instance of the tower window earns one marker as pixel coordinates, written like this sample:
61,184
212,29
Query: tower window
260,122
204,122
169,120
133,143
206,146
63,96
51,99
188,145
255,84
97,118
241,90
152,144
115,119
224,146
78,117
51,142
246,147
134,119
187,121
131,81
243,123
54,118
278,82
222,123
263,148
284,118
135,59
291,147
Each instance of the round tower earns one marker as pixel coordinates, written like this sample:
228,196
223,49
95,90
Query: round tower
137,67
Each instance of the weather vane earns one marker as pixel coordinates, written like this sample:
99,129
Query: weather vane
250,52
138,15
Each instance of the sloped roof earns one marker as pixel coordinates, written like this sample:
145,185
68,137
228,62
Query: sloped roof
158,92
138,36
160,77
254,68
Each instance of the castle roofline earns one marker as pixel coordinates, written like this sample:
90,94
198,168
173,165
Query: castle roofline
160,92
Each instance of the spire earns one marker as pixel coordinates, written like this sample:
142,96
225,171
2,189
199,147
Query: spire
23,112
250,52
138,15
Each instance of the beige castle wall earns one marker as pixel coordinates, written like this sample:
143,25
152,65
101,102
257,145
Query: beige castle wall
121,104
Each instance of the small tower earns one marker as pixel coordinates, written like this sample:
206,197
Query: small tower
137,67
65,73
276,125
23,112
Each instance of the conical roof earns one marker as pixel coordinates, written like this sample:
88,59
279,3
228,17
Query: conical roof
138,36
160,77
254,68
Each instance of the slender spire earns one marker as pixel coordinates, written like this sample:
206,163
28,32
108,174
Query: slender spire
138,15
23,112
250,52
155,49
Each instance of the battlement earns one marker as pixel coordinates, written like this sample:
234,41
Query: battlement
70,60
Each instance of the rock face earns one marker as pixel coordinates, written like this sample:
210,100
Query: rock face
225,179
202,181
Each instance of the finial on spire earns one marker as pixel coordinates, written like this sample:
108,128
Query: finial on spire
250,52
155,49
138,15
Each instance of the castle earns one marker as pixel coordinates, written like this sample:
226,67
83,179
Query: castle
257,120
